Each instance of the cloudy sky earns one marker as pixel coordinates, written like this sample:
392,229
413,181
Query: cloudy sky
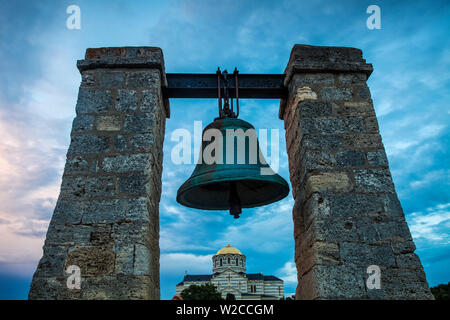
39,84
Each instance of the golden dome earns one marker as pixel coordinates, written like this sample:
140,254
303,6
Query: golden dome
228,250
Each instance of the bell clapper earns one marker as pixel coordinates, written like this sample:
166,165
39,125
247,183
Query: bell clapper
235,201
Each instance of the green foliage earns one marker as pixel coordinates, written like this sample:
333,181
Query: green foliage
230,296
202,292
441,292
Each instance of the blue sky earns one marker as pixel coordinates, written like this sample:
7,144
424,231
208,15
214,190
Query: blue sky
39,84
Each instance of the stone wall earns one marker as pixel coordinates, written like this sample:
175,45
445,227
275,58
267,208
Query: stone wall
346,215
106,219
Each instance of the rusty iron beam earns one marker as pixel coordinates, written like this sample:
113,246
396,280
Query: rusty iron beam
202,85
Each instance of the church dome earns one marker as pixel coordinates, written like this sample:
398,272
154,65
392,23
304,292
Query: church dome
229,250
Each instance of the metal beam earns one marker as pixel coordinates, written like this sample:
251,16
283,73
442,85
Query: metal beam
202,85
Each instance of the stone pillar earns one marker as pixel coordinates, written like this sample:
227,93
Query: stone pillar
346,215
106,217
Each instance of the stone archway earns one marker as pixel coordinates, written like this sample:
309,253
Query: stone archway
346,213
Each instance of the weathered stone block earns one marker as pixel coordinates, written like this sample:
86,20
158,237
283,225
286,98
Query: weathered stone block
353,205
88,187
363,141
118,287
327,253
382,228
392,205
124,259
141,258
111,79
143,79
131,232
401,284
394,231
403,247
120,143
316,208
352,108
87,79
408,260
364,92
140,123
309,108
335,229
292,135
88,144
364,255
62,235
92,260
102,211
320,253
333,93
144,142
350,158
68,212
371,124
93,101
127,163
108,123
135,184
377,158
367,233
315,160
137,209
319,59
373,180
352,78
101,234
77,164
301,79
51,288
321,141
52,262
327,181
332,282
355,124
126,100
322,126
150,101
82,123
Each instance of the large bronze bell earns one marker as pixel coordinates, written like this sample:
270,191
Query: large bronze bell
236,179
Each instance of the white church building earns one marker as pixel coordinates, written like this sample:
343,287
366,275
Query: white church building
229,276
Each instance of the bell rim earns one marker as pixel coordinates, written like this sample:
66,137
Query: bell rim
280,181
